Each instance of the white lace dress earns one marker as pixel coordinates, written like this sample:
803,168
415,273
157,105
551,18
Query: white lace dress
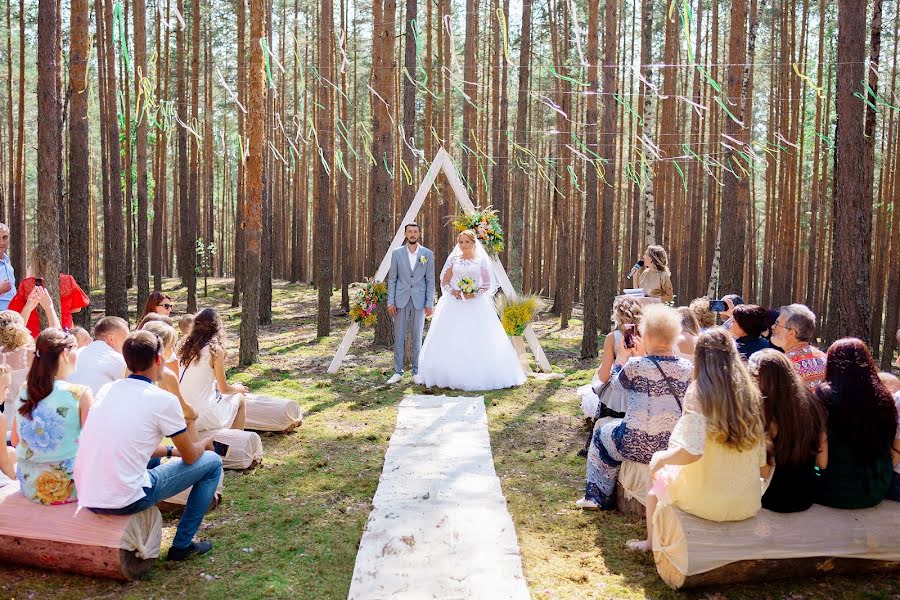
466,347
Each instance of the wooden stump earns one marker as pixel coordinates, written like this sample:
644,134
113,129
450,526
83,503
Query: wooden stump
56,537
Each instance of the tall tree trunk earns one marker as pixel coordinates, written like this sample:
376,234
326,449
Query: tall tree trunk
252,225
848,312
515,242
323,237
407,190
384,68
19,233
79,171
241,190
592,241
191,208
48,144
470,88
648,114
140,65
185,244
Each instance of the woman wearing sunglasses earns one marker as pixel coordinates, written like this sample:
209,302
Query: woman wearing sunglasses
157,303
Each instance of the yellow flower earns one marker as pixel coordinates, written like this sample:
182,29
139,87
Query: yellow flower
53,487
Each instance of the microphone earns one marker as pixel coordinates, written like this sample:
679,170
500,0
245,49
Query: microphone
637,267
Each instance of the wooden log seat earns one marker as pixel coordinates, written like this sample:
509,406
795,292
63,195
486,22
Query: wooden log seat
245,448
266,413
66,539
691,552
631,488
176,503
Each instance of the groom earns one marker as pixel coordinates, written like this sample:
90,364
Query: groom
410,283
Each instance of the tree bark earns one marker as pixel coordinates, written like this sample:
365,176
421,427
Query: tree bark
323,237
470,88
849,285
241,117
409,101
515,242
140,63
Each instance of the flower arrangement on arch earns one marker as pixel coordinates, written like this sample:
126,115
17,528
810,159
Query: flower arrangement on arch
517,314
362,309
485,222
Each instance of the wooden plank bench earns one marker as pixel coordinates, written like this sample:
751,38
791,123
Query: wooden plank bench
692,552
66,539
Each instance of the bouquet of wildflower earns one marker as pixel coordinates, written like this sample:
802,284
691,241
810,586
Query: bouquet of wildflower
362,309
466,285
517,314
486,225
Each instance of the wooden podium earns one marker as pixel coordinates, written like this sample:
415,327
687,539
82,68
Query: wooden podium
642,300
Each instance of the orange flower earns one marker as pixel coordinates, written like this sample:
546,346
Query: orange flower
53,487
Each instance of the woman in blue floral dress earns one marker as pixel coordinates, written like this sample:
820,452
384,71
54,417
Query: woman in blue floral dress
653,387
48,417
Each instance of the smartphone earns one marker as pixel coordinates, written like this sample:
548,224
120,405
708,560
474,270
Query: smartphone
220,448
628,335
39,281
718,306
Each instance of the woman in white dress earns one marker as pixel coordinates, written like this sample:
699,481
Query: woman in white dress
466,347
201,357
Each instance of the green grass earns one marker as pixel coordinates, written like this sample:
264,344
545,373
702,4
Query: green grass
290,528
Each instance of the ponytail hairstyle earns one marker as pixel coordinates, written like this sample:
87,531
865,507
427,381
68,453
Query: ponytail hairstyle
205,332
48,347
659,257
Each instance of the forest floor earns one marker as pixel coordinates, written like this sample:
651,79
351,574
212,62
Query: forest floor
290,528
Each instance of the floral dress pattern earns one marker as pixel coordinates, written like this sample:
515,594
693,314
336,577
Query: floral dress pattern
48,442
651,413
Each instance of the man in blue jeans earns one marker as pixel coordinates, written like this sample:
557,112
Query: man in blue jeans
118,470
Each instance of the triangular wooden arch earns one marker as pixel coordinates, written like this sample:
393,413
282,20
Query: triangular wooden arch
442,162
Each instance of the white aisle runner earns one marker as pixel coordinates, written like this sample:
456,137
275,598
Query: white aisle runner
439,527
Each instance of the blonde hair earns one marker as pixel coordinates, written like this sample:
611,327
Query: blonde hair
626,311
166,333
689,321
13,334
659,257
705,317
40,259
726,392
890,381
661,322
469,234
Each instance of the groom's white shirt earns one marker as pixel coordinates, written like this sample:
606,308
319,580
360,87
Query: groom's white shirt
413,256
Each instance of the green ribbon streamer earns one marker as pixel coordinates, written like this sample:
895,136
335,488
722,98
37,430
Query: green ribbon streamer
721,103
571,80
339,158
680,172
123,42
629,108
265,49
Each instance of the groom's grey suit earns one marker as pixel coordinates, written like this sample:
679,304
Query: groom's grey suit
411,290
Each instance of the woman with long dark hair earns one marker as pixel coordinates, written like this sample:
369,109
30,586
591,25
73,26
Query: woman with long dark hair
49,415
862,423
796,424
218,403
158,303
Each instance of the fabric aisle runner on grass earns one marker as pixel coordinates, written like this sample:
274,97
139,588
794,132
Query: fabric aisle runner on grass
439,527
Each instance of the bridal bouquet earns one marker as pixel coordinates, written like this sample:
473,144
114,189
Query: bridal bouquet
466,285
362,309
517,314
486,225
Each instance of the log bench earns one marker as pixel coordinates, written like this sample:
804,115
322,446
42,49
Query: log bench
245,448
631,488
267,413
66,539
176,503
692,552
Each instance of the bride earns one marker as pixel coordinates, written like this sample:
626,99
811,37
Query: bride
466,347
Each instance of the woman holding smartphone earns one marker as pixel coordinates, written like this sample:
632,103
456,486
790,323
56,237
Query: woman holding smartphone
71,297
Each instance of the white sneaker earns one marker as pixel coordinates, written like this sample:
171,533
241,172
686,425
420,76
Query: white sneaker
417,379
395,378
586,504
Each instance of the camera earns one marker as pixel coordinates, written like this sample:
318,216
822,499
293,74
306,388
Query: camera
718,306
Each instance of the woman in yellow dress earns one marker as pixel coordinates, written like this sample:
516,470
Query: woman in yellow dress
717,451
656,279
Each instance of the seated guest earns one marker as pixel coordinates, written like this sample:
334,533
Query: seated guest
16,351
149,317
793,332
862,426
71,297
890,381
705,317
84,338
158,303
185,323
169,380
653,386
716,452
7,453
101,362
218,403
655,279
626,316
795,422
747,324
114,472
768,333
48,420
690,329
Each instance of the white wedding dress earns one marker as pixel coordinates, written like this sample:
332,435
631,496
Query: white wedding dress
466,347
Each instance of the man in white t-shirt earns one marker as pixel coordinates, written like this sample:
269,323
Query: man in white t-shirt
118,470
101,362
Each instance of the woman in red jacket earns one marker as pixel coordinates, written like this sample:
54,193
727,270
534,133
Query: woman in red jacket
71,297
